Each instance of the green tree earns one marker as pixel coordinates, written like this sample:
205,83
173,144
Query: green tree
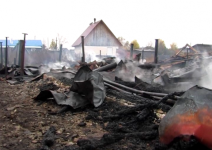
162,50
135,44
173,46
53,44
161,45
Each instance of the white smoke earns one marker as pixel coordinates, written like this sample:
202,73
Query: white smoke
142,61
58,65
206,81
133,70
90,56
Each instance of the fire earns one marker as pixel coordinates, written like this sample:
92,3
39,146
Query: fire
197,123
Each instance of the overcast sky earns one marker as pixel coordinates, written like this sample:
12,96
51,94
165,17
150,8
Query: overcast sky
179,21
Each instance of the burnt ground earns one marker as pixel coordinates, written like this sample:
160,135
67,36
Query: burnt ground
121,122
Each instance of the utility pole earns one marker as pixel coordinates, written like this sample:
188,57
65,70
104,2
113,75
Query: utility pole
23,54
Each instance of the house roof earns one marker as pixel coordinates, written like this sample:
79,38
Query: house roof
88,31
29,43
202,47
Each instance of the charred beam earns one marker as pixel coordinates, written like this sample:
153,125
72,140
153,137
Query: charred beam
134,90
113,87
106,67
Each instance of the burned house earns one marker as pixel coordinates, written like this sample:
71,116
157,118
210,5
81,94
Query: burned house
98,38
203,48
146,53
197,48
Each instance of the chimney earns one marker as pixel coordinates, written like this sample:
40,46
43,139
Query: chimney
94,20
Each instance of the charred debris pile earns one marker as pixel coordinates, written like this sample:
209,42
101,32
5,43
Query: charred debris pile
140,106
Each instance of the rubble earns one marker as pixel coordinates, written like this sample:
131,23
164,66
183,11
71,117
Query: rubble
124,114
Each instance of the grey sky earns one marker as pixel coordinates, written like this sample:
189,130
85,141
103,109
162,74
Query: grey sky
179,21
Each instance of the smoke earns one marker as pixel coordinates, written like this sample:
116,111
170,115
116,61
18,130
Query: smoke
207,80
206,65
44,69
90,56
142,61
57,65
198,70
132,70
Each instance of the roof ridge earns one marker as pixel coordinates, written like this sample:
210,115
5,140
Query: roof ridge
86,32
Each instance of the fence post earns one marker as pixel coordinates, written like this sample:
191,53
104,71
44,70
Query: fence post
1,56
83,50
20,49
143,55
17,52
6,59
23,54
131,51
60,55
156,51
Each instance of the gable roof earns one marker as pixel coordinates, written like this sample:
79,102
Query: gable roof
88,31
29,43
202,47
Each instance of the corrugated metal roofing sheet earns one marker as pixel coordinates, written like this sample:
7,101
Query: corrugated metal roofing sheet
28,42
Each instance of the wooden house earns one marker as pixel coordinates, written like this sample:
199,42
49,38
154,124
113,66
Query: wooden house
97,37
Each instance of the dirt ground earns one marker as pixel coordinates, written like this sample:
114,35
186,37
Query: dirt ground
24,122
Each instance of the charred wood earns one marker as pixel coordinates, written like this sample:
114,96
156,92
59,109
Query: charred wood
86,144
49,138
106,67
136,98
141,85
49,86
133,90
128,84
118,89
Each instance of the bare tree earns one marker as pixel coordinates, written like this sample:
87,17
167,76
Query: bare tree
61,40
149,44
121,40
